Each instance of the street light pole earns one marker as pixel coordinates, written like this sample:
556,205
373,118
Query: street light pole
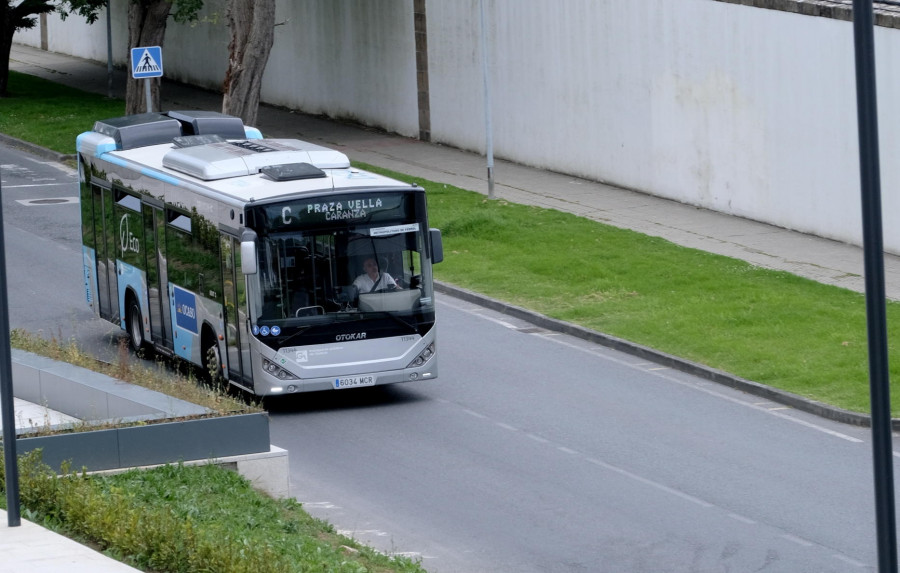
109,54
6,394
873,252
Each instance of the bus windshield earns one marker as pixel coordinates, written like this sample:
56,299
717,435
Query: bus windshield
348,259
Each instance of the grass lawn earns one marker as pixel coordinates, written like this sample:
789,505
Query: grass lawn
51,114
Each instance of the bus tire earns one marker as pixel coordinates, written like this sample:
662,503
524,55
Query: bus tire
135,324
212,366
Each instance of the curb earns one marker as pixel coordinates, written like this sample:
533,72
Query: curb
36,149
701,371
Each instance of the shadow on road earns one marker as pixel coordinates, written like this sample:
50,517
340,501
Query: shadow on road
310,402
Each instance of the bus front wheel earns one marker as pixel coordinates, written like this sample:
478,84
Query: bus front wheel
214,367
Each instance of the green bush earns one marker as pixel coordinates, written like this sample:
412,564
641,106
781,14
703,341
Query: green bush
186,519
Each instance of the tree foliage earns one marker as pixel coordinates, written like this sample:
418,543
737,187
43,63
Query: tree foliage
16,16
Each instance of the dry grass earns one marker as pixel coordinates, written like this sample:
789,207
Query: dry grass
162,376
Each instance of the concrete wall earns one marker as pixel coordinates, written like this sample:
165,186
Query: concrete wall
728,106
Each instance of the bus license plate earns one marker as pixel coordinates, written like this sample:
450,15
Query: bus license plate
353,382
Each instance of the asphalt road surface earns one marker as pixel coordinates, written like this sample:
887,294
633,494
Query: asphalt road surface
43,250
532,451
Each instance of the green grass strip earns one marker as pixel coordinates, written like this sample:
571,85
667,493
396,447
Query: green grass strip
50,114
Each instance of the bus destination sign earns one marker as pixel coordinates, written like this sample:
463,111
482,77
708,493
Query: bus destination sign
338,209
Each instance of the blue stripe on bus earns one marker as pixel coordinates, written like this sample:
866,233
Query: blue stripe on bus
152,173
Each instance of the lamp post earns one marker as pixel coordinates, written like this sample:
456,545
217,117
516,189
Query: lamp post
6,394
873,252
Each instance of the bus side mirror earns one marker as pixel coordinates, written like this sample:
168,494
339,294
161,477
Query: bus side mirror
248,257
437,246
249,265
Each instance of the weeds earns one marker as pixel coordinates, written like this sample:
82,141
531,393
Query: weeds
184,519
161,376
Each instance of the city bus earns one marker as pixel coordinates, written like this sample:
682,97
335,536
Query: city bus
248,257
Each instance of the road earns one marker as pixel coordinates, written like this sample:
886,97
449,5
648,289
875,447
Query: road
532,452
43,245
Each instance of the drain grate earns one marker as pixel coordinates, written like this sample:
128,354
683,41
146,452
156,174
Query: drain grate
47,201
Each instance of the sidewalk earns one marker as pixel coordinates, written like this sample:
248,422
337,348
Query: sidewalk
764,245
34,549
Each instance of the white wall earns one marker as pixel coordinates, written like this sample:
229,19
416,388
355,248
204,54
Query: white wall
349,58
734,108
738,109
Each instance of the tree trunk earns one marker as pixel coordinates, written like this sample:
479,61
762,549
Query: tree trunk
15,16
252,26
146,27
6,36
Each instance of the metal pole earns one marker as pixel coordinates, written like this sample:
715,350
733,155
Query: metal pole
109,55
147,91
6,395
488,129
879,380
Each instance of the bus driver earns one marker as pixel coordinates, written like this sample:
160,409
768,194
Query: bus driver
372,280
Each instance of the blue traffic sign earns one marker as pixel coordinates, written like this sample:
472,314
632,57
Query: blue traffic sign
146,62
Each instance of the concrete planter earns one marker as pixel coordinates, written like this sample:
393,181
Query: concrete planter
160,443
170,430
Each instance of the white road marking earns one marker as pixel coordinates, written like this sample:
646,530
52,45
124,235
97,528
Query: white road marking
742,519
353,533
849,561
797,540
319,505
69,184
650,482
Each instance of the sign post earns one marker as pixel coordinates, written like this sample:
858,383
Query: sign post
147,63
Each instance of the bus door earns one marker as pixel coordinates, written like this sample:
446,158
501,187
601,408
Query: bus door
237,336
106,235
157,293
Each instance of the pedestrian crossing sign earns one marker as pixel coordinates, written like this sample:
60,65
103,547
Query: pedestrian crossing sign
146,62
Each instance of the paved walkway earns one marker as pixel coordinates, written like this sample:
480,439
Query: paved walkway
34,549
29,415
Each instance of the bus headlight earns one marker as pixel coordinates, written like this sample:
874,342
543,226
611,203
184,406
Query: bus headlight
423,357
277,371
